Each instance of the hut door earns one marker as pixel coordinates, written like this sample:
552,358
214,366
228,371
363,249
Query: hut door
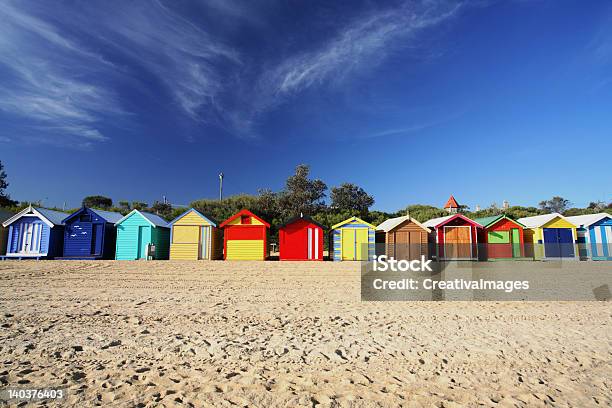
414,245
402,245
31,237
465,242
26,242
203,242
142,243
457,242
361,244
558,243
348,244
96,239
606,245
313,243
450,242
515,242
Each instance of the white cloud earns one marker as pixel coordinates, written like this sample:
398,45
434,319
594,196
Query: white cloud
42,85
66,87
360,45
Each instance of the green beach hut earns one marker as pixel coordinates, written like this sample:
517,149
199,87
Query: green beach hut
137,231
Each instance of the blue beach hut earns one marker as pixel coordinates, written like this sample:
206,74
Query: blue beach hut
352,240
90,234
35,233
139,229
594,236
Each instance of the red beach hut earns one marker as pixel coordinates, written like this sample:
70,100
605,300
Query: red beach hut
503,237
245,236
456,237
301,239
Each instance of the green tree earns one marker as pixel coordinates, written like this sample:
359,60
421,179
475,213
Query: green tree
5,199
162,209
556,204
349,196
520,212
98,202
597,205
301,194
125,206
139,205
422,213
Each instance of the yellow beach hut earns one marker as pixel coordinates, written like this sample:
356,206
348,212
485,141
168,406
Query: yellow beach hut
353,240
194,236
552,236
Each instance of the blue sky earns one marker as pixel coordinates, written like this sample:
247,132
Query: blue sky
412,100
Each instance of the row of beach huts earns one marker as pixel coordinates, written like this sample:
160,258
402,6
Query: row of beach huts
39,233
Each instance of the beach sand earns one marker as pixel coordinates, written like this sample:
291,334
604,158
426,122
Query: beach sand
286,334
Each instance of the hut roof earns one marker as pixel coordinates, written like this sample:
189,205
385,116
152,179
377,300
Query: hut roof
351,220
392,223
50,217
588,219
301,217
438,222
539,220
488,221
153,219
241,213
193,210
109,216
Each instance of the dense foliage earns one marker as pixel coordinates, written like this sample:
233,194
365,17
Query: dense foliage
5,199
98,202
304,195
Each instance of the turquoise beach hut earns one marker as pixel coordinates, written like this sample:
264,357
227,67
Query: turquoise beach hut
139,229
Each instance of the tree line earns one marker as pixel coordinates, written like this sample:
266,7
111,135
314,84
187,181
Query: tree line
301,194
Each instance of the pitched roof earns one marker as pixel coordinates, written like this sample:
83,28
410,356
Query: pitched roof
392,223
539,220
351,220
588,219
241,213
488,221
50,217
193,210
451,203
435,221
109,216
56,217
154,220
301,217
438,222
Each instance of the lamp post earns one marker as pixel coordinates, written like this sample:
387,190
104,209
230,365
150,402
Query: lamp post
221,186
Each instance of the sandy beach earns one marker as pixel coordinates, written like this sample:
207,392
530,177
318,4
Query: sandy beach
286,334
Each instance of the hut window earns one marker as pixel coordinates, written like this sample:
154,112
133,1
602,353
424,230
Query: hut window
85,218
245,219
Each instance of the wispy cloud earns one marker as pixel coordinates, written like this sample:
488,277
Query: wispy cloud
363,43
360,45
180,54
44,87
70,69
414,128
